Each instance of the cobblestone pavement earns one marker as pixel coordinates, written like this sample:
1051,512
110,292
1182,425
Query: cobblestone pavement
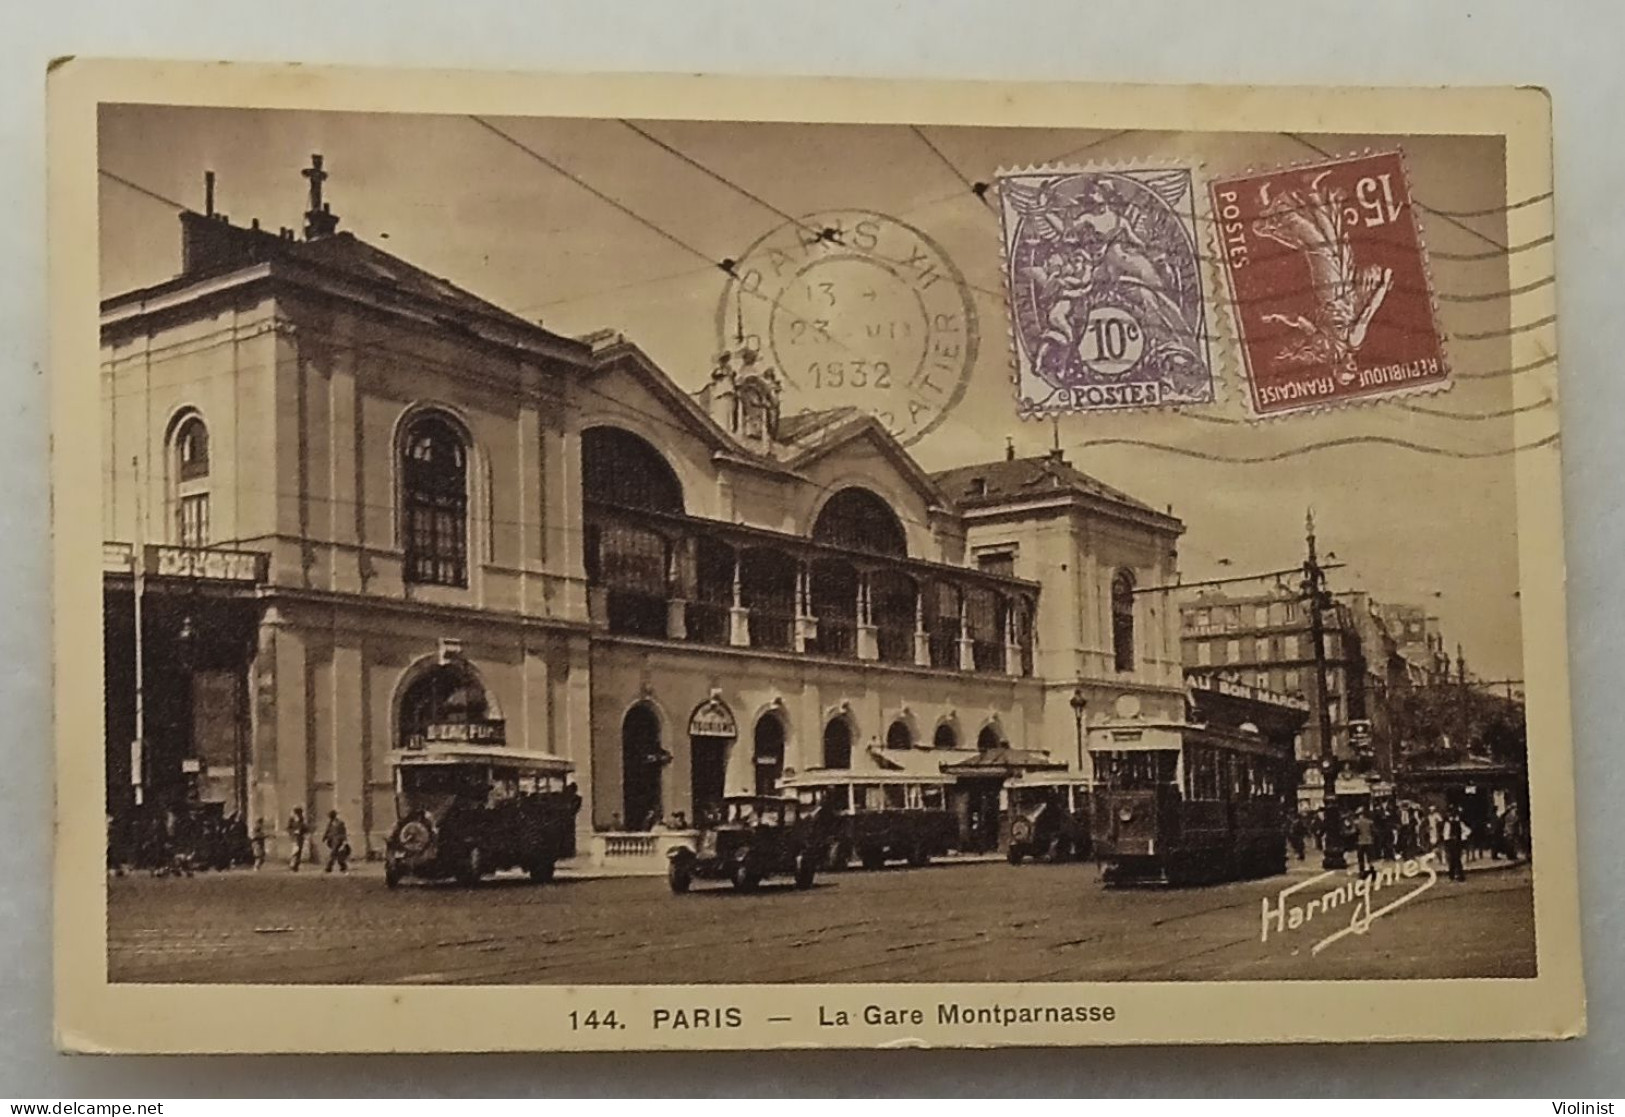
963,922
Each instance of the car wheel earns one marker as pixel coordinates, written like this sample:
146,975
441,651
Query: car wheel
1016,854
680,874
542,871
472,868
806,870
744,877
1060,851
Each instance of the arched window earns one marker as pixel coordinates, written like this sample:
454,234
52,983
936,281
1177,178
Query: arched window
769,754
620,468
642,760
838,744
899,736
450,694
988,739
859,520
945,737
1123,620
190,485
434,501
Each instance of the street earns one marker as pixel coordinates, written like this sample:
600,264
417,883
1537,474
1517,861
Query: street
952,922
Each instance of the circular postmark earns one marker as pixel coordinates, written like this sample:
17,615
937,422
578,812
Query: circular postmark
855,309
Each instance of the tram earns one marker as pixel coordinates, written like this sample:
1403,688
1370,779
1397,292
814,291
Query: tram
1190,804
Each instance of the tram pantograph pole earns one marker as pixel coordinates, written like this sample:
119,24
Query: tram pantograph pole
1318,600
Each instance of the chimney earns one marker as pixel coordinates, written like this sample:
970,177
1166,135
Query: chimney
1009,449
319,219
208,193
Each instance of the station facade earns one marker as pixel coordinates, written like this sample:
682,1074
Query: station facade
351,505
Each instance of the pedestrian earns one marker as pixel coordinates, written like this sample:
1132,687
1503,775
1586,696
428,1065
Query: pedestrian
1407,831
1512,827
337,840
256,844
1298,834
298,831
1435,828
1365,842
1456,833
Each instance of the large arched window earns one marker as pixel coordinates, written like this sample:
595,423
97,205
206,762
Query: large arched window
859,520
189,449
620,468
1123,620
434,501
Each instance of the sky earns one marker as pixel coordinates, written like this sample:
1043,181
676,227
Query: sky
533,233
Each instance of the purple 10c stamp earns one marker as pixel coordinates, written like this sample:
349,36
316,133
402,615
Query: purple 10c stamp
1105,288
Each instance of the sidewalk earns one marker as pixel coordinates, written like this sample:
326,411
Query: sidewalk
1310,865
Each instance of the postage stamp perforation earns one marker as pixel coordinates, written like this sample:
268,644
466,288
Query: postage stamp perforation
1232,310
1152,337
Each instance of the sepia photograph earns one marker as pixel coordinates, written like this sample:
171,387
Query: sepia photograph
592,550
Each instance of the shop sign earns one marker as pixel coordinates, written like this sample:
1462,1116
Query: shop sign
213,564
489,732
712,718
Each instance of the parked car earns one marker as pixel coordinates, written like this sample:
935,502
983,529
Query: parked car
1049,816
467,811
879,816
748,839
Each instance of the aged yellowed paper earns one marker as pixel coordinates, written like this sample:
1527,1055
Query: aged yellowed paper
678,562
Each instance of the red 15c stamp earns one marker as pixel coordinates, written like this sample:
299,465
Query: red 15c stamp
1330,285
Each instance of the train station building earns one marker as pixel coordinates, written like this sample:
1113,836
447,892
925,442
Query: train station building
351,505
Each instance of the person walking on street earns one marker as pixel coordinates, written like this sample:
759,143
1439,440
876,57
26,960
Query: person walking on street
1298,835
1456,833
298,831
337,840
1365,842
1434,828
256,844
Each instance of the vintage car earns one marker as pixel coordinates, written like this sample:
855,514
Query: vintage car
746,839
1049,816
466,811
878,816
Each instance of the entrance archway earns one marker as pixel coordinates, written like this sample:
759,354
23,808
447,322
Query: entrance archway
768,754
838,744
445,695
712,731
641,761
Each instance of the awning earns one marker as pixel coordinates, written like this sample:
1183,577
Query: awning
1003,763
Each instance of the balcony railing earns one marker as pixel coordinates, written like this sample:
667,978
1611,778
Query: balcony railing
680,578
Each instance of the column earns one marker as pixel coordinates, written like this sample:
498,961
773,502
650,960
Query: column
677,597
738,615
967,647
1012,650
922,638
806,624
868,639
352,745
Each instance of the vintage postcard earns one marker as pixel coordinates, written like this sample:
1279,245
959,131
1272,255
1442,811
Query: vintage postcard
672,562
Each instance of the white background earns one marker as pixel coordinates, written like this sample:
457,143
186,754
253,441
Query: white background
1572,47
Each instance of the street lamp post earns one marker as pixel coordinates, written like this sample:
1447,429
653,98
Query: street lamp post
1318,600
1079,703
